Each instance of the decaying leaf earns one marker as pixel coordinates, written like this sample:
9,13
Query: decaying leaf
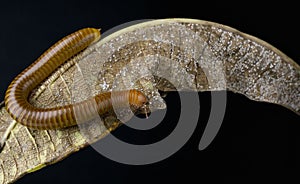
155,55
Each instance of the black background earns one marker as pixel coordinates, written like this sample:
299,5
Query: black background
256,141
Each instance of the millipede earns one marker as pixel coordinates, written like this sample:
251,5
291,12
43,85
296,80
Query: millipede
16,97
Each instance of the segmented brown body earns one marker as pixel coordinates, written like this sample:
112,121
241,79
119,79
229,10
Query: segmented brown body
16,98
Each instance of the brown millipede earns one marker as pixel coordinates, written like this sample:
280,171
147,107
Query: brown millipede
16,97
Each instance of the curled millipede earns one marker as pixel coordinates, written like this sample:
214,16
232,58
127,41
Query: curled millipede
16,97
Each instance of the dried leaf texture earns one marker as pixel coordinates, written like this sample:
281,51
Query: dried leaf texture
167,55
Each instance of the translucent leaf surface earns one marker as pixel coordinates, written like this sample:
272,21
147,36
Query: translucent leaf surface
194,55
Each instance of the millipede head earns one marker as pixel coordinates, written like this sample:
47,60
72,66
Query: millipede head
138,101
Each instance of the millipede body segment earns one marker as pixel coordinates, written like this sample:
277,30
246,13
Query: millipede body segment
16,97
